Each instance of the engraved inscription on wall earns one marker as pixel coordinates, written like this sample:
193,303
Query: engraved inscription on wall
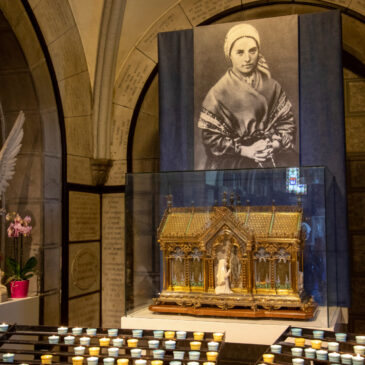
113,259
84,216
84,311
84,268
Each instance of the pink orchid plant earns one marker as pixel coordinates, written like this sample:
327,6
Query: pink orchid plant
18,228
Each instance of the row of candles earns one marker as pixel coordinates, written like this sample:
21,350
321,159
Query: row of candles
317,352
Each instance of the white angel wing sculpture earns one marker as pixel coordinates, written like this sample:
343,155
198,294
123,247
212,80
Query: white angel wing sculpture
9,151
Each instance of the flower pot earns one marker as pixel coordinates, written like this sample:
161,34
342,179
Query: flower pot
19,289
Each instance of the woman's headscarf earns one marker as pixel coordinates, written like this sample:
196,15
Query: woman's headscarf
245,30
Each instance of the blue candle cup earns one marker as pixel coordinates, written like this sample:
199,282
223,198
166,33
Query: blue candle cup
91,331
318,334
310,353
178,355
322,354
296,331
8,357
170,344
158,354
62,330
113,351
360,340
77,331
69,340
153,344
117,342
341,337
174,362
53,339
297,351
275,349
92,360
108,360
112,332
334,357
194,355
4,327
213,346
137,333
346,359
333,346
181,335
158,334
85,341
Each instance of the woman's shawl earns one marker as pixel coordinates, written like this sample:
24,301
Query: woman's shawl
235,114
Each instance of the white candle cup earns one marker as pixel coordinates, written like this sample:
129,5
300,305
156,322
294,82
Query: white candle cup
192,363
117,342
108,360
175,362
213,346
158,354
181,335
140,362
153,344
85,341
4,327
310,353
53,339
79,350
297,351
194,355
113,351
275,349
91,331
359,349
112,332
322,354
178,355
62,330
357,360
92,360
8,357
170,344
334,357
136,352
346,359
360,340
341,337
298,361
333,346
77,331
69,340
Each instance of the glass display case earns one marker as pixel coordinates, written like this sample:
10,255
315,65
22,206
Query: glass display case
278,225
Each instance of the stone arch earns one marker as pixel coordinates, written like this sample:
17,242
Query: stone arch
135,93
36,187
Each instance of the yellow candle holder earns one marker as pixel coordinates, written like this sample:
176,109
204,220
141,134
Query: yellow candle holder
195,345
198,336
123,361
77,360
94,351
132,342
299,342
268,358
218,336
105,341
212,355
170,334
46,359
156,362
316,344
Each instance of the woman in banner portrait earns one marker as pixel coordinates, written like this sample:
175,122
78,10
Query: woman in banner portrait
246,119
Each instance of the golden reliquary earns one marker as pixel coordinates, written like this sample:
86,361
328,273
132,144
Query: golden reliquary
239,261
